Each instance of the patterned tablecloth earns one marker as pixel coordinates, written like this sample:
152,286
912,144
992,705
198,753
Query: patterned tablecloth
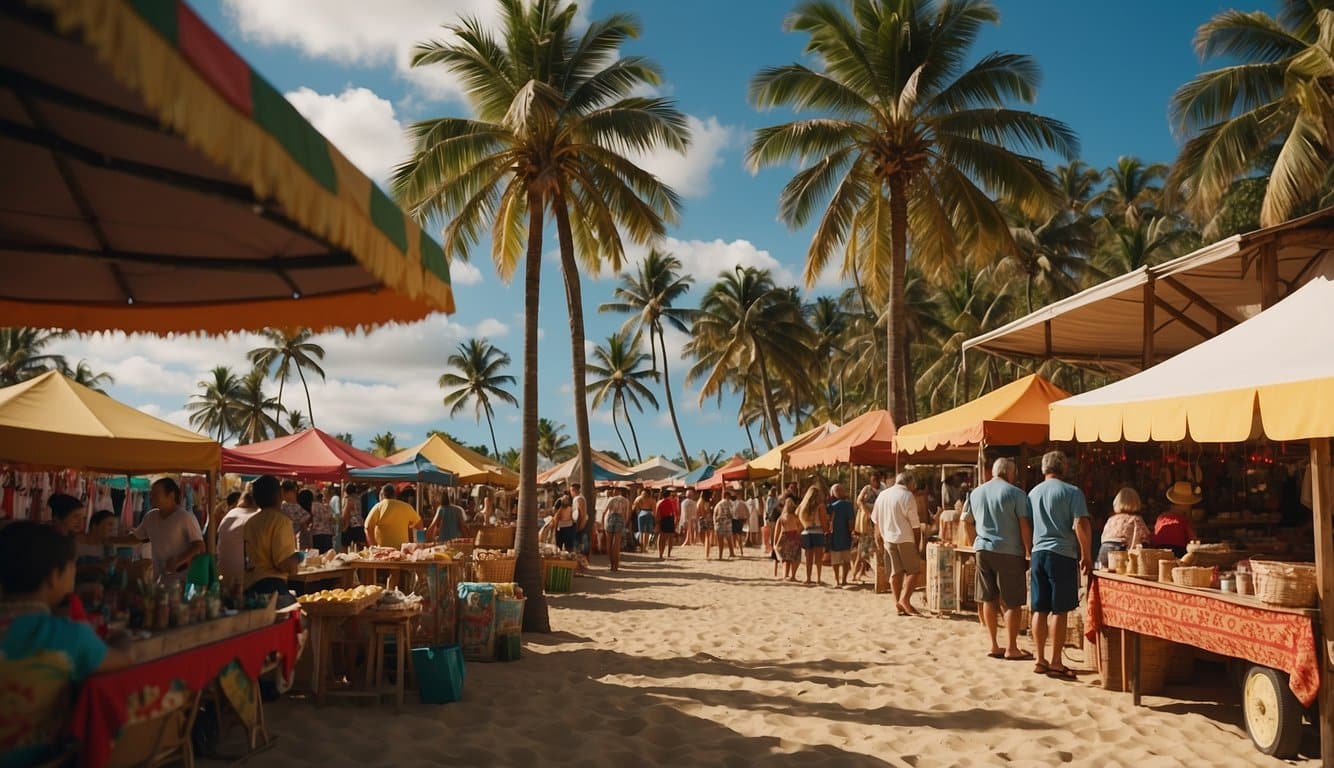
1277,639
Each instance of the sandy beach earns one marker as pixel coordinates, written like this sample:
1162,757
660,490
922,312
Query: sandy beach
688,662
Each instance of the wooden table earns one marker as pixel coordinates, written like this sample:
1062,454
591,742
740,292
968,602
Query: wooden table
344,575
961,556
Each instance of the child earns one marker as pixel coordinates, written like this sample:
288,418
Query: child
41,655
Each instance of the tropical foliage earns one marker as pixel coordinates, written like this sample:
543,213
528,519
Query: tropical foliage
619,366
288,351
384,444
475,377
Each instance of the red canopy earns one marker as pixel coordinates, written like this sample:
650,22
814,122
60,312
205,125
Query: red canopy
312,455
867,439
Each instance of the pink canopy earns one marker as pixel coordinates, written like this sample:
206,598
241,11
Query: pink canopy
313,455
867,439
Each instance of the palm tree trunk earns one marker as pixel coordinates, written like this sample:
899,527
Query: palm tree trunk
898,315
639,456
492,428
310,412
667,388
616,424
282,380
770,413
575,303
749,437
528,565
1028,292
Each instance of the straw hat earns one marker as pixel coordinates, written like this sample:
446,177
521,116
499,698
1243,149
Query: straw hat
1182,492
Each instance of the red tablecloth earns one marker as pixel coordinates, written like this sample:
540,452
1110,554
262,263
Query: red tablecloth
101,708
1277,639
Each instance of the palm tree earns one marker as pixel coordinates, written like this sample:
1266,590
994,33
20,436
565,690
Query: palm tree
83,374
1146,241
554,122
1273,92
747,326
345,437
619,363
288,350
23,354
510,458
648,295
384,444
296,422
969,302
476,378
1053,253
1079,186
256,413
216,409
552,442
1133,190
830,323
917,146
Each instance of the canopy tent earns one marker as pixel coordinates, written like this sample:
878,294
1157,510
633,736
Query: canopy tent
686,479
1015,414
605,469
1182,302
154,182
466,465
770,463
1264,377
719,476
656,468
51,421
418,469
312,455
867,439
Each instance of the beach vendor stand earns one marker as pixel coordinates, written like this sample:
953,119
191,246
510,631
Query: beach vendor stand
1260,379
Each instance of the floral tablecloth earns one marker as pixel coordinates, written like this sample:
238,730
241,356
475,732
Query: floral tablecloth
1277,639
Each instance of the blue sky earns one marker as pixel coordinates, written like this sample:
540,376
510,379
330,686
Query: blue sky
1109,70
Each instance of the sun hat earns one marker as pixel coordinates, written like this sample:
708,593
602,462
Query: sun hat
1182,492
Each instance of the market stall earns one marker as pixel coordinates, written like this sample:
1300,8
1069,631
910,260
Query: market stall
773,462
718,478
468,466
656,468
605,469
1258,380
310,455
866,440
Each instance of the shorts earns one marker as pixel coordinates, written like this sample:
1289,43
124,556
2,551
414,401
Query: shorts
738,527
1054,583
644,521
1000,577
865,545
903,558
667,525
704,525
614,523
567,538
354,535
812,539
723,530
840,556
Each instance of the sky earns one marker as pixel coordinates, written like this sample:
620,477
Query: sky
1109,70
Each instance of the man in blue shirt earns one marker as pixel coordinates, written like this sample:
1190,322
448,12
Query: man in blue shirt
1062,545
841,518
1004,523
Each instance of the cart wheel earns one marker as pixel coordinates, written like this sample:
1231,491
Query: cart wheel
1273,715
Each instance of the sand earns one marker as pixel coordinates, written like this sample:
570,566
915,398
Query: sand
691,662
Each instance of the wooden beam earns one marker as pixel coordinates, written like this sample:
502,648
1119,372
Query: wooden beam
1268,275
1224,320
1322,506
1046,337
1146,348
1183,318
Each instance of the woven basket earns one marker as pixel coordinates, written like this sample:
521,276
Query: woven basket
500,537
1147,562
1192,576
1291,585
499,571
466,546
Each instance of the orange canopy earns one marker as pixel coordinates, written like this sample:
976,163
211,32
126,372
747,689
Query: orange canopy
715,480
51,421
1015,414
771,463
312,454
867,439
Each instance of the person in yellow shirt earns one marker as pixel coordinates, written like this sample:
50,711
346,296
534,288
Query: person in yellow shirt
390,523
271,554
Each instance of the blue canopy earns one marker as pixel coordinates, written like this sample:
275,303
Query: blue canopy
418,468
698,475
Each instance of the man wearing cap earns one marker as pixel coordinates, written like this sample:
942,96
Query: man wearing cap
1173,529
1062,547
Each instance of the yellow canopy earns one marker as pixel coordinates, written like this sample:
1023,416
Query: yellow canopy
771,463
51,421
1271,375
467,465
1015,414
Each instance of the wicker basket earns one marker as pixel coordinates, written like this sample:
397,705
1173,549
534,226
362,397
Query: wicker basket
1291,585
500,537
1192,576
466,546
1147,562
499,571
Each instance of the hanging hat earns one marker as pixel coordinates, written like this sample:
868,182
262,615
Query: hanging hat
1182,492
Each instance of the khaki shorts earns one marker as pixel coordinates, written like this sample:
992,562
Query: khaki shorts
840,556
903,558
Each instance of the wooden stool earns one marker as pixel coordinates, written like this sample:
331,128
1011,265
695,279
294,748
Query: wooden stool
384,626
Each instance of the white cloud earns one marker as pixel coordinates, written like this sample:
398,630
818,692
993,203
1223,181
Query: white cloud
360,124
705,259
464,273
401,352
689,174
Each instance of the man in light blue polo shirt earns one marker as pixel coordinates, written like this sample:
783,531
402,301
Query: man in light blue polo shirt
1004,521
1062,544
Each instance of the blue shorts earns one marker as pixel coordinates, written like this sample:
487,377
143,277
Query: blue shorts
644,521
614,523
1053,583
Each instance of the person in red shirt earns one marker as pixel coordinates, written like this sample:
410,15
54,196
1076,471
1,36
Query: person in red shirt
1173,529
666,513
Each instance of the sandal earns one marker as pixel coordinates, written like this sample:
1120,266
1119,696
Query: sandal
1061,673
1023,656
996,654
1041,668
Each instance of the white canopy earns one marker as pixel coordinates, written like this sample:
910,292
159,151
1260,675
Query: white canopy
656,468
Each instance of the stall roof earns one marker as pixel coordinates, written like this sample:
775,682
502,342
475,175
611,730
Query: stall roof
770,463
605,469
468,466
719,476
416,468
1190,299
1014,414
155,182
312,454
656,468
867,439
51,421
1267,376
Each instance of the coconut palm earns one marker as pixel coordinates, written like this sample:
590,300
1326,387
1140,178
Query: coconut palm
914,145
84,374
830,324
216,409
1133,190
1079,186
345,437
620,366
296,422
747,326
1148,240
23,354
555,121
1052,253
552,442
384,444
510,458
649,295
289,350
970,302
256,413
476,378
1273,92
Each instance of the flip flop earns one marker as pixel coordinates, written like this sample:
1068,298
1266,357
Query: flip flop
901,611
1061,673
996,655
1023,656
1041,668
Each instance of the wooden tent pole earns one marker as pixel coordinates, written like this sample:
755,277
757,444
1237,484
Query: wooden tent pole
1322,506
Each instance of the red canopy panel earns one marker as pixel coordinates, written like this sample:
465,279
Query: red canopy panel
312,455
